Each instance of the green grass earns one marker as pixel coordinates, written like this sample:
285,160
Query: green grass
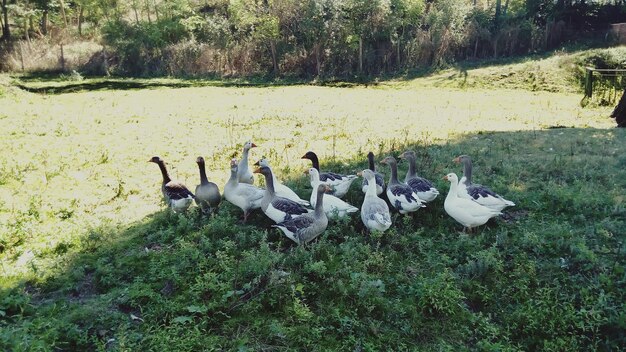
91,259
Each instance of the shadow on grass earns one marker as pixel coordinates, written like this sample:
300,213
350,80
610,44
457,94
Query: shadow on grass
174,282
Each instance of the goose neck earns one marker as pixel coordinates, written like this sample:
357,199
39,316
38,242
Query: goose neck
164,173
203,178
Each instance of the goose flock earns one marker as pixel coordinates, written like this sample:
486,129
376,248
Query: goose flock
468,203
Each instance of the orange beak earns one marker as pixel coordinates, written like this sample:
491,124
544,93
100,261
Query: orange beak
253,145
257,171
445,178
457,160
360,173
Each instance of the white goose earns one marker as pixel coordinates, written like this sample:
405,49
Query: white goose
423,187
465,211
282,190
400,195
333,206
243,195
380,181
340,184
374,211
176,194
478,193
305,228
277,208
243,171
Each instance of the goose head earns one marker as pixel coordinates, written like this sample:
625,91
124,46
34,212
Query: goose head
388,160
452,177
199,160
234,164
156,160
309,155
367,174
462,159
263,170
262,162
313,173
407,155
249,145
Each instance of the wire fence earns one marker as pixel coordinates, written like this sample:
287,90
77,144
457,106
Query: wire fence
604,86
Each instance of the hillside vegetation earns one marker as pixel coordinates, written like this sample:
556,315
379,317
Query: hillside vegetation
92,260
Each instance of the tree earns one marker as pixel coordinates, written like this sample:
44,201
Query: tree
6,30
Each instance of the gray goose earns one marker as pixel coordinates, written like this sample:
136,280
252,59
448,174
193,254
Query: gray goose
478,193
423,187
277,208
380,181
208,196
305,228
400,195
176,194
374,211
340,184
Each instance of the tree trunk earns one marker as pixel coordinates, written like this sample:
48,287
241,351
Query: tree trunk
274,59
6,31
360,54
81,18
496,18
62,6
44,22
619,113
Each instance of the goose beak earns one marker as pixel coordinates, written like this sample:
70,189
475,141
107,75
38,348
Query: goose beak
306,172
327,188
360,173
445,178
457,160
257,171
253,145
401,156
257,163
304,157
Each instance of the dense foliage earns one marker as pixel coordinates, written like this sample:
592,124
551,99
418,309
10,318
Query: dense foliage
311,38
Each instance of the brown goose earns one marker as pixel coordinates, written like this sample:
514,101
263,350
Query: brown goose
340,184
176,194
305,228
424,188
277,208
380,181
400,195
208,196
478,193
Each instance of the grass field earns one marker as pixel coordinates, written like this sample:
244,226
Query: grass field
91,259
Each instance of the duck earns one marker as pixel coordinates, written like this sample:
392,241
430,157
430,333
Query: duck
307,227
400,195
333,206
277,208
245,196
282,190
207,193
478,193
374,211
340,184
380,181
243,171
467,212
423,187
177,196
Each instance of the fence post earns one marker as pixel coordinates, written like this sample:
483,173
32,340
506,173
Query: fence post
589,81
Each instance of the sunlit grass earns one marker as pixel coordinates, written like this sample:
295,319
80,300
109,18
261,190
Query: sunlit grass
80,206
